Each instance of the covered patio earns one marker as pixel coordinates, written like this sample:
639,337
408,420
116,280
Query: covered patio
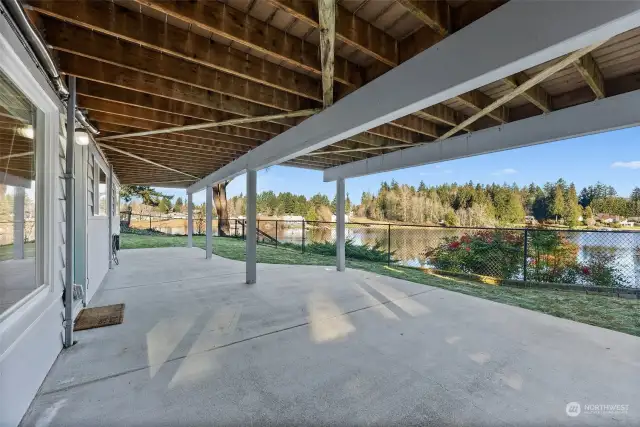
311,345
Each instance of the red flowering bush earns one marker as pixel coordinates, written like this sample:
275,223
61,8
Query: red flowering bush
497,253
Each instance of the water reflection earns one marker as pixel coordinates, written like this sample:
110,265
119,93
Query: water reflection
409,245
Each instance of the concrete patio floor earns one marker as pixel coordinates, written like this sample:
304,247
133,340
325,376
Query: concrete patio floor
309,345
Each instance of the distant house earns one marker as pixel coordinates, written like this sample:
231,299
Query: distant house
608,219
627,223
346,218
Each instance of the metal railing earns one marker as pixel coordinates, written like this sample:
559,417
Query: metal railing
582,257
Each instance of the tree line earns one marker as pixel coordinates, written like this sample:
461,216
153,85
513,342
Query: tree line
476,204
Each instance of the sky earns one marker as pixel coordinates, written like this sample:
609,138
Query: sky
612,158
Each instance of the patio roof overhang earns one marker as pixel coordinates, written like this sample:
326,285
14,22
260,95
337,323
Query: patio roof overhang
403,73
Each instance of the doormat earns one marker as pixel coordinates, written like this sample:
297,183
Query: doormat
98,317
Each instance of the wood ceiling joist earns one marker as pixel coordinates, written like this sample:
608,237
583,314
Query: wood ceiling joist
78,41
434,14
536,95
478,101
142,125
108,18
234,25
350,29
167,119
137,99
91,69
146,160
119,128
590,72
194,157
129,125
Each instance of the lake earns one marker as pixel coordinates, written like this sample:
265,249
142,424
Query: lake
409,244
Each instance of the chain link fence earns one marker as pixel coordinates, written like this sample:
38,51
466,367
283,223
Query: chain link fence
579,257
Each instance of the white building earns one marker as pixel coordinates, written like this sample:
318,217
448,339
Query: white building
34,258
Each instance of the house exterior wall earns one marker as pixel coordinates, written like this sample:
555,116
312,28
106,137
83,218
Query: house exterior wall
31,332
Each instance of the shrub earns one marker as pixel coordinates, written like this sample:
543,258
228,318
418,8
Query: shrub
495,253
552,257
599,269
352,251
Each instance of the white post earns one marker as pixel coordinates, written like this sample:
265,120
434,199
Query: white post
340,229
189,220
111,212
18,223
252,234
209,218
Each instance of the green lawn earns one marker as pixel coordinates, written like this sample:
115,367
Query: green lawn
6,251
608,312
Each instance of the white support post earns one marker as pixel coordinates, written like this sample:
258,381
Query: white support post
209,218
110,212
252,233
189,220
340,226
18,223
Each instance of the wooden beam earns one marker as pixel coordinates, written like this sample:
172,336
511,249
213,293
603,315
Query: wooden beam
95,46
350,29
199,126
170,119
327,12
590,72
546,73
478,101
142,159
434,14
126,97
443,115
536,95
103,72
234,25
113,124
111,19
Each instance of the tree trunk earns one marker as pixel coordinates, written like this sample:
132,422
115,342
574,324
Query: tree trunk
220,201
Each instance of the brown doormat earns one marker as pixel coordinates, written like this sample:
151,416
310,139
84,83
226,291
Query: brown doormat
98,317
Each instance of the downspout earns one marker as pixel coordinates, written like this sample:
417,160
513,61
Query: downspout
69,220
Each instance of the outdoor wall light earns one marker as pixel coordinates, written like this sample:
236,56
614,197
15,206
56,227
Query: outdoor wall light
81,137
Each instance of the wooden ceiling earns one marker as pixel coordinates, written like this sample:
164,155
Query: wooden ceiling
148,65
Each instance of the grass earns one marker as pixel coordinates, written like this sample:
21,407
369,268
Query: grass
6,251
619,314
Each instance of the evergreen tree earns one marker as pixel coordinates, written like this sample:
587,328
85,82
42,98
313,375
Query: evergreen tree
572,209
557,205
178,205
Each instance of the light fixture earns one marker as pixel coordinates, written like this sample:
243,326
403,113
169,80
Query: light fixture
26,132
81,137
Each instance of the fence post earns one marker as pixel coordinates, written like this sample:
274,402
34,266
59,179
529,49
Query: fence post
276,234
303,228
258,231
244,237
524,261
150,228
389,244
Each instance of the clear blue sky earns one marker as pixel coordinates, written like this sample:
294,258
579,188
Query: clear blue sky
613,158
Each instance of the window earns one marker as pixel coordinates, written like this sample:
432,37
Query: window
102,193
17,195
